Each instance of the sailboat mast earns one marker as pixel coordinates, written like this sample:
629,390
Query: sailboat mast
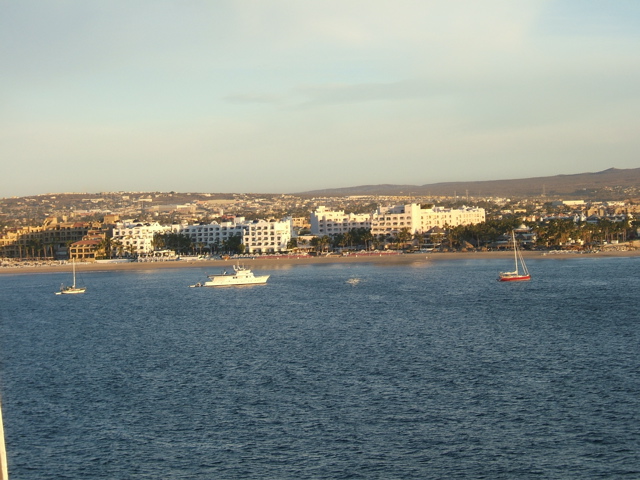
74,272
515,250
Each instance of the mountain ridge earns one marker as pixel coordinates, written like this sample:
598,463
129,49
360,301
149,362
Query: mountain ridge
567,185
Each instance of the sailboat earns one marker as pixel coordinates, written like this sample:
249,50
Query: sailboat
518,275
72,288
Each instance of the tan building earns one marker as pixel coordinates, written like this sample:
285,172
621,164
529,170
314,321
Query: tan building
85,250
301,222
50,240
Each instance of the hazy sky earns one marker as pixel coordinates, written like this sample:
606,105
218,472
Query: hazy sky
283,96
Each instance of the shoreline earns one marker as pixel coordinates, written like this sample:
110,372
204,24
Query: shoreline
266,262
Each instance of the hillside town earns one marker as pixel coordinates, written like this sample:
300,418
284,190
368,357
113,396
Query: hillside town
166,226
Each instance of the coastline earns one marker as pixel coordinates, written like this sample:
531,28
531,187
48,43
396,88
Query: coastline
266,262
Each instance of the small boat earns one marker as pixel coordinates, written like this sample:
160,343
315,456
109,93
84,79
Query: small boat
353,281
240,276
519,274
71,289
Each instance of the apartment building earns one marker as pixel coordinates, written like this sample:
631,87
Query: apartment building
214,234
137,238
258,236
390,220
267,236
49,240
327,222
419,219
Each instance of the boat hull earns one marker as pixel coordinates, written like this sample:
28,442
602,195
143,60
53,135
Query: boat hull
71,291
241,276
515,278
230,281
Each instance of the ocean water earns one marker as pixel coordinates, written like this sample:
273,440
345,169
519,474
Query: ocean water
427,370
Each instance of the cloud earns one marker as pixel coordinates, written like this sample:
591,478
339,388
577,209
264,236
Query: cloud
254,98
326,92
371,92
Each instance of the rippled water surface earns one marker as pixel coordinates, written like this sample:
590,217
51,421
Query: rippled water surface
432,370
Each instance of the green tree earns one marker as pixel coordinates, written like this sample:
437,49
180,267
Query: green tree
106,245
177,242
234,244
118,246
404,236
367,239
158,241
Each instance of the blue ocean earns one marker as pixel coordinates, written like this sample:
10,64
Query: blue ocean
416,371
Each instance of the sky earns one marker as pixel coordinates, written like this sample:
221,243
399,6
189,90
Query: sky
286,96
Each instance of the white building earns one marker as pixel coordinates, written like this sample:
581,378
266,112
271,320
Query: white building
267,236
390,220
568,203
326,222
258,236
451,217
137,238
213,234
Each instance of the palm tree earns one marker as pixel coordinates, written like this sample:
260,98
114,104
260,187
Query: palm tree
68,246
418,237
106,245
118,246
50,246
158,241
324,241
348,239
404,236
301,242
315,242
32,246
320,243
367,239
39,247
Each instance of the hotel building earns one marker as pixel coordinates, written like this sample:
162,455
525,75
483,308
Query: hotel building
257,236
418,219
327,222
137,238
391,220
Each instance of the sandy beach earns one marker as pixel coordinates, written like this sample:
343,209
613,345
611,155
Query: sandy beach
265,262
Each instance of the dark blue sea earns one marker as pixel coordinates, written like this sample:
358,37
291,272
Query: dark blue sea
428,370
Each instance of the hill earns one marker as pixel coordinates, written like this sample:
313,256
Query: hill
608,184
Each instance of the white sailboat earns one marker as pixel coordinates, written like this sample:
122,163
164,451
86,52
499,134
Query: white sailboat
521,273
72,288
